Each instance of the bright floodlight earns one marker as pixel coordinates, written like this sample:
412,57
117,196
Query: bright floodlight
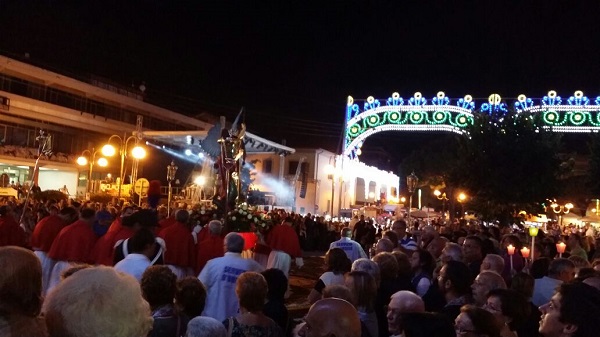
108,150
82,161
200,154
462,197
200,180
138,152
103,162
188,152
437,193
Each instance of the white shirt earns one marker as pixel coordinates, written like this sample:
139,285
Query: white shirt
134,265
219,277
352,248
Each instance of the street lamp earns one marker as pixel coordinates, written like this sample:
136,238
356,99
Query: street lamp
137,153
462,198
171,171
411,182
441,196
561,210
82,161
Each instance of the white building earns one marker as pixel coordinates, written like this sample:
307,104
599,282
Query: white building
330,182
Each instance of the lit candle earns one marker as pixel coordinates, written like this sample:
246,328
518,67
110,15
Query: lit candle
560,248
525,252
511,252
511,249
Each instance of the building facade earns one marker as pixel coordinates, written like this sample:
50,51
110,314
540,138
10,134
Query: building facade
317,181
78,113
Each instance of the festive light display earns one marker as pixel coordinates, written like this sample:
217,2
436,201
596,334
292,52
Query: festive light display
578,114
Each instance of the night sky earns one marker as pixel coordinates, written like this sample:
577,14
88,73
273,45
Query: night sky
292,64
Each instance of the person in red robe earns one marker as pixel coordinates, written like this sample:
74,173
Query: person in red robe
180,255
73,245
103,252
11,234
285,245
212,246
44,234
168,221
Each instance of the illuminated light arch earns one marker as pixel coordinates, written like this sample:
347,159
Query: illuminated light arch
440,113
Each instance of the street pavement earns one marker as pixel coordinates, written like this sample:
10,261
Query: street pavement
302,280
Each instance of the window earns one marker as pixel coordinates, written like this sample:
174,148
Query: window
267,165
293,166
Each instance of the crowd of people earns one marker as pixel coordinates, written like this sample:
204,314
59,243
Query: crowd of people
464,281
88,269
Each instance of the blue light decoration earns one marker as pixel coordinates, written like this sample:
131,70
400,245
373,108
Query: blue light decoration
551,99
351,108
395,100
371,103
466,103
523,103
441,113
578,99
494,105
417,99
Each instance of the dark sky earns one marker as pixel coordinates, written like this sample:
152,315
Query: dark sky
293,63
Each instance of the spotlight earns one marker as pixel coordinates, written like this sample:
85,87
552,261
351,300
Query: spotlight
200,154
163,147
147,143
188,152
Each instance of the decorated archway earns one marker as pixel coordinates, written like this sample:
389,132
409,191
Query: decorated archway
441,113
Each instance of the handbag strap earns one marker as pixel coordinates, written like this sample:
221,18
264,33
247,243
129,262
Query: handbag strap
230,327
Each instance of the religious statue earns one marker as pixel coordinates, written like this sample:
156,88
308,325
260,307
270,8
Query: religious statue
230,164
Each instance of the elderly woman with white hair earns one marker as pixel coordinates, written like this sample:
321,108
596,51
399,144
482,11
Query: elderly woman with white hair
97,302
202,326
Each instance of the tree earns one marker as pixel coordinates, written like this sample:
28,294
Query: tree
593,174
507,164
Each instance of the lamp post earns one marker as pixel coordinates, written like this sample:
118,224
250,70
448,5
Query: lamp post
171,171
137,152
411,182
82,161
561,210
441,196
462,198
533,232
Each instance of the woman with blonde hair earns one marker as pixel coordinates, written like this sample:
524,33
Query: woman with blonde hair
97,302
364,290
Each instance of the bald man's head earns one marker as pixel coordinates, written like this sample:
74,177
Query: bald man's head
331,317
400,303
484,282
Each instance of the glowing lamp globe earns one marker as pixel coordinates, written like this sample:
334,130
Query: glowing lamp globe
533,231
138,152
82,161
108,150
103,162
